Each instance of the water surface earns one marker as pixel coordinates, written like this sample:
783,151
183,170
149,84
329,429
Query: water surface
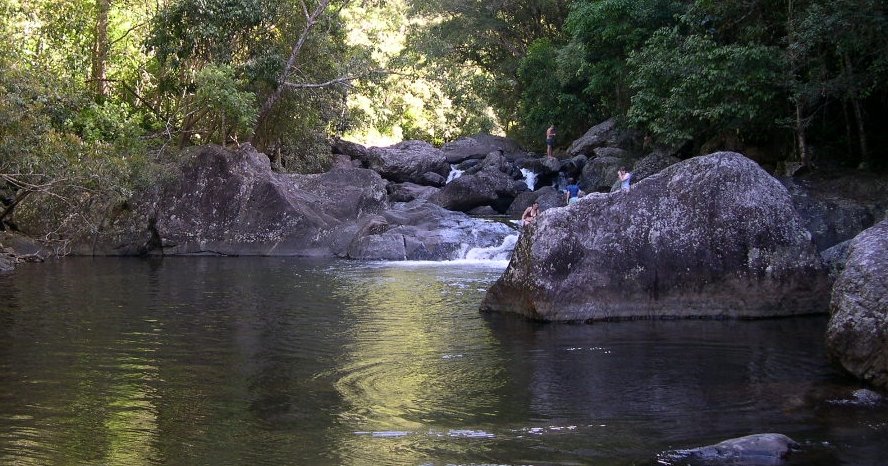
294,361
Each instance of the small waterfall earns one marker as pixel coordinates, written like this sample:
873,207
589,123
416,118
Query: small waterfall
501,252
454,173
530,178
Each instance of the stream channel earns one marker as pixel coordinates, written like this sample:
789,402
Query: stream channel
275,360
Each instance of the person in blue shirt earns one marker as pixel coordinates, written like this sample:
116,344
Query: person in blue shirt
571,192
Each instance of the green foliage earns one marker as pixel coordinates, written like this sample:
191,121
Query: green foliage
218,92
691,87
546,99
602,35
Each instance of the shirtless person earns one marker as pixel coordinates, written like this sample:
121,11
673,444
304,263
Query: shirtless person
550,140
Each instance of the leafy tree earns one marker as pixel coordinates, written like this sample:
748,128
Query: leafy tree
493,37
548,99
690,87
602,36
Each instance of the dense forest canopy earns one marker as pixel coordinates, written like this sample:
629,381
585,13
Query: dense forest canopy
98,95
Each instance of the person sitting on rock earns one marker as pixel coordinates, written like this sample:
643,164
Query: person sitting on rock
530,213
571,192
624,179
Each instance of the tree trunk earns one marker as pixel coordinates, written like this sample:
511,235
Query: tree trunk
310,20
22,194
858,112
804,158
100,50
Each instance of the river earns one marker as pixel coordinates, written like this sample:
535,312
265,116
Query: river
208,360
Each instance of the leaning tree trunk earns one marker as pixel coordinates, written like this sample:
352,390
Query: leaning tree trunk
310,20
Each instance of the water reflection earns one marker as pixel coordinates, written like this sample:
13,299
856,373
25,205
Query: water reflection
415,368
295,361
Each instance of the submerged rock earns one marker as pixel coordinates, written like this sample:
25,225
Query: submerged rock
713,236
757,449
857,335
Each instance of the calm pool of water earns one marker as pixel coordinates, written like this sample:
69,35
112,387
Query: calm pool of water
294,361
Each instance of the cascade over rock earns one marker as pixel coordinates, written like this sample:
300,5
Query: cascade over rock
231,202
857,334
713,236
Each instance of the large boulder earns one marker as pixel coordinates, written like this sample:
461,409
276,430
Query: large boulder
231,202
406,161
409,161
713,236
604,134
406,192
7,261
654,162
547,196
832,215
600,173
857,335
479,146
489,186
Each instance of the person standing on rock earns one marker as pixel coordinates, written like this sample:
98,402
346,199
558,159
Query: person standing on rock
571,192
530,213
624,179
550,141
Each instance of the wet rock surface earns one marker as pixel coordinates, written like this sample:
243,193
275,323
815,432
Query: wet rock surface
757,449
714,236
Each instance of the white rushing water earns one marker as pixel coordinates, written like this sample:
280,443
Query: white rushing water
497,256
454,173
501,252
529,177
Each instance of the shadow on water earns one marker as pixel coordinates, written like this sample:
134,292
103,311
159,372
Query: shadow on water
297,361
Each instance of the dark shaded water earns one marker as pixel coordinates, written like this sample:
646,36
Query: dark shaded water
292,361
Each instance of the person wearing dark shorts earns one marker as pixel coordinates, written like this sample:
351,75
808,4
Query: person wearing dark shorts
550,140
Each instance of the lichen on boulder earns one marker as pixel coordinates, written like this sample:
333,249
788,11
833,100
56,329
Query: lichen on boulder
714,236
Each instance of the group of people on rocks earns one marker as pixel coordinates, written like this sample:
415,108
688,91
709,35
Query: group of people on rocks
572,191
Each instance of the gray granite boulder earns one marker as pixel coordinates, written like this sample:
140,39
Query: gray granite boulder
713,236
830,216
406,161
406,192
423,231
600,173
230,202
857,335
479,146
7,261
654,162
604,134
547,196
489,186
